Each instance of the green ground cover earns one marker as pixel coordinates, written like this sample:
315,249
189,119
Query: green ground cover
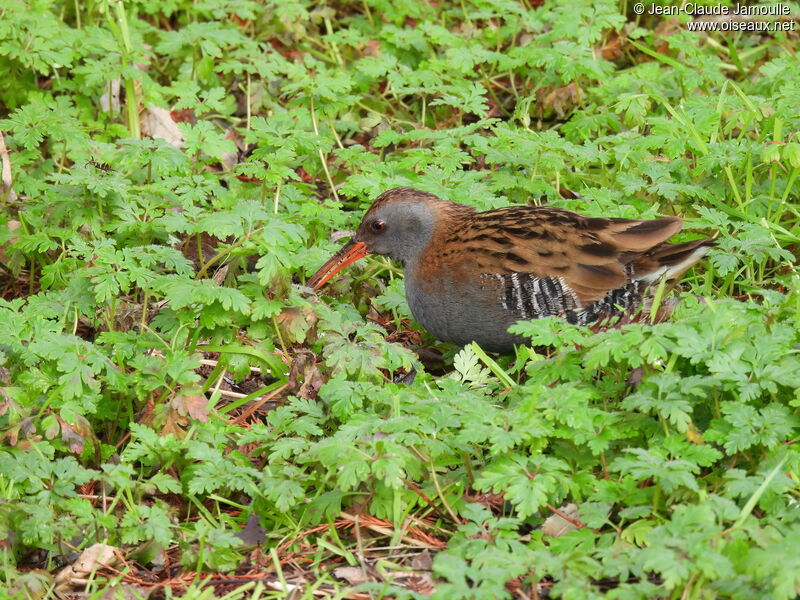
172,172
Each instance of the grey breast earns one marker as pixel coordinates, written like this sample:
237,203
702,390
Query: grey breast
460,314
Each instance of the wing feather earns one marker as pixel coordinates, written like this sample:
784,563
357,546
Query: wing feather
590,255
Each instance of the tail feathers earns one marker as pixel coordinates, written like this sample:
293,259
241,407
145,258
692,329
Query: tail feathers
670,261
666,262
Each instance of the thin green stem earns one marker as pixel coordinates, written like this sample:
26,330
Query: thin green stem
220,255
120,28
789,184
323,159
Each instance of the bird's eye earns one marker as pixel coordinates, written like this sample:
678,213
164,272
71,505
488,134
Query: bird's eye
377,226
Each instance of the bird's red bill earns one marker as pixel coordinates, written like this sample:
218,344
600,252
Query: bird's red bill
350,253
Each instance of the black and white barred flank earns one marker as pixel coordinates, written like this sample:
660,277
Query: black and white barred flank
533,297
616,302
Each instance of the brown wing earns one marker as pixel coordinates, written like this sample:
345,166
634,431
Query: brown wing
591,255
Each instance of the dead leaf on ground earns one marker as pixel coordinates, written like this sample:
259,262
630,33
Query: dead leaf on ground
109,101
76,575
420,583
312,381
209,245
157,122
612,49
173,424
352,575
372,48
252,534
422,561
74,436
191,402
556,525
25,430
558,100
300,360
296,322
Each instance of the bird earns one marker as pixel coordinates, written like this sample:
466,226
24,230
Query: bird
470,275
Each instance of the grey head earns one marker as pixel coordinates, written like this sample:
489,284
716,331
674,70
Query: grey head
400,223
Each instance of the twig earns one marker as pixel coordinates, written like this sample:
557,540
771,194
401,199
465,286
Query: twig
579,524
213,363
455,518
387,531
258,404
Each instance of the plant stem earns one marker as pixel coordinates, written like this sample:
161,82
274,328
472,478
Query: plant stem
322,157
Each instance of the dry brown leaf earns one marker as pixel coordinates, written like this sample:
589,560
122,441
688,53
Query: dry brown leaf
312,381
71,437
372,48
76,575
191,402
300,360
25,429
421,583
172,425
109,101
352,575
157,122
559,100
295,322
220,274
252,534
612,49
422,561
208,247
556,526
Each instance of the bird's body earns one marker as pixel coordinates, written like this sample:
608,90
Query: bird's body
470,275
